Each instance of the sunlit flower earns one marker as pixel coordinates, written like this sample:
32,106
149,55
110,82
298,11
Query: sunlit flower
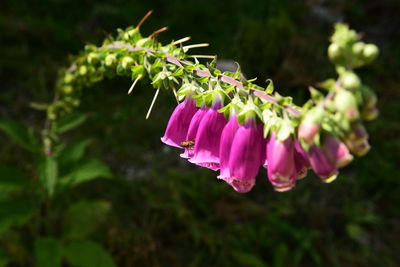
192,131
227,136
301,162
321,164
207,141
281,166
245,157
179,122
337,152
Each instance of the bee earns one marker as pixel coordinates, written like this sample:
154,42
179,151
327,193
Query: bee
189,144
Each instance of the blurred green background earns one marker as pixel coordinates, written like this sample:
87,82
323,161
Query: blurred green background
157,209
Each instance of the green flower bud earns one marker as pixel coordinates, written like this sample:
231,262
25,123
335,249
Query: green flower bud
350,80
126,62
83,70
371,51
358,48
93,58
68,78
346,103
110,60
145,42
67,89
335,53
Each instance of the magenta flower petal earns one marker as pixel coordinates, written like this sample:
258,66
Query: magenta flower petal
301,162
191,134
208,137
227,136
337,151
179,122
245,157
281,166
321,164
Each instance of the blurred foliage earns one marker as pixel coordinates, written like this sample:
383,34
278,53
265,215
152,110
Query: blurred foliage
154,209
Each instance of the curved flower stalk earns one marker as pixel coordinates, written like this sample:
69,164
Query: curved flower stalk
264,127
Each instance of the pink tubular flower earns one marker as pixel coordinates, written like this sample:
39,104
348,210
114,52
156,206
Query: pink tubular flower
321,164
191,134
337,151
207,141
281,166
245,157
227,136
301,162
179,122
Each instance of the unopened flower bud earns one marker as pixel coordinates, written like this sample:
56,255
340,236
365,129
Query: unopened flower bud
126,62
358,48
346,103
370,114
110,60
357,135
334,52
350,80
359,149
371,51
310,125
93,58
307,131
83,70
337,152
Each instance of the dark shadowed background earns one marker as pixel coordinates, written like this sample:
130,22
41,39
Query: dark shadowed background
164,211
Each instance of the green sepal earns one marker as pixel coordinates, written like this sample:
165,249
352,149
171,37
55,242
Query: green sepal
328,84
316,95
137,71
270,87
285,129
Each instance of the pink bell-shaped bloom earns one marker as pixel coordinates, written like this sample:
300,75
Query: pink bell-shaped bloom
337,151
245,157
321,164
179,122
191,134
208,137
227,136
301,162
281,167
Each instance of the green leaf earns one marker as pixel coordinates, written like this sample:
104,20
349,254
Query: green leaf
247,259
88,171
47,252
83,217
19,134
48,172
87,253
70,122
11,180
14,213
74,152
